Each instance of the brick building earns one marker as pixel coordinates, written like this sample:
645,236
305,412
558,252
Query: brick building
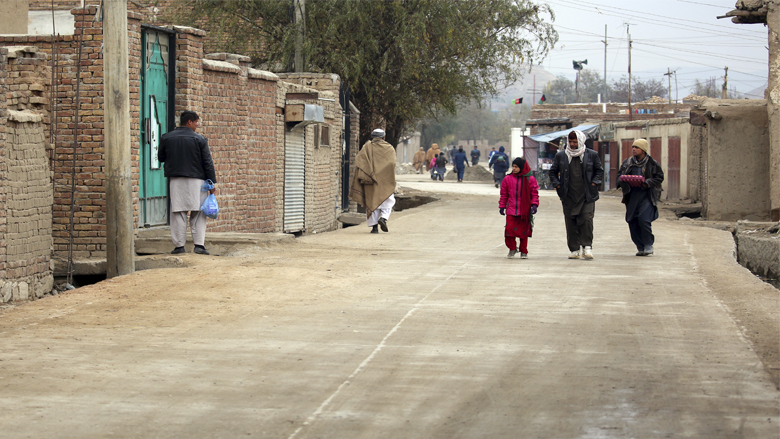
243,111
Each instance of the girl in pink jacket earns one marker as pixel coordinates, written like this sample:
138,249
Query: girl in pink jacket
519,201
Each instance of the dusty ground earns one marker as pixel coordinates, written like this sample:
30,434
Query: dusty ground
426,331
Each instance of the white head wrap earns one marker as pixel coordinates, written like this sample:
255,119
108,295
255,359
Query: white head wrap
379,132
571,153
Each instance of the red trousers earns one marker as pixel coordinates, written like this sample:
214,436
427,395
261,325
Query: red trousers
511,243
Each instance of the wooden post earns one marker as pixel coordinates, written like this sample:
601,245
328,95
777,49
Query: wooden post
120,245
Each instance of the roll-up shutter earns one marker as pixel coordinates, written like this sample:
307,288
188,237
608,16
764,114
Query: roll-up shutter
294,196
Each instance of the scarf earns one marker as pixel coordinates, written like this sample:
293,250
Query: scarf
571,153
642,164
374,179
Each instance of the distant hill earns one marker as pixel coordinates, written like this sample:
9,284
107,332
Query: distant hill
523,89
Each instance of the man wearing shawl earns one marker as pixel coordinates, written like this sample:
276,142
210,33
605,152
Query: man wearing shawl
374,181
575,174
419,158
518,201
640,178
432,151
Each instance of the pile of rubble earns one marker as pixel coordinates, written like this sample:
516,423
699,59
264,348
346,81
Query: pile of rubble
472,173
404,168
694,98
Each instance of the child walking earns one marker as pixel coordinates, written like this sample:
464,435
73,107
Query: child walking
519,201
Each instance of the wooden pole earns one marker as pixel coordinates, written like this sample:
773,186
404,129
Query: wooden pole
120,245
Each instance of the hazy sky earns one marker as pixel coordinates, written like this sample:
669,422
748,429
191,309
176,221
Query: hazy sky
682,35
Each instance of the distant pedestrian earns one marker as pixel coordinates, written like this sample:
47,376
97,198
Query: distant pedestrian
460,162
491,153
433,166
499,163
433,150
640,178
575,174
453,151
475,153
188,164
441,163
419,158
374,182
519,201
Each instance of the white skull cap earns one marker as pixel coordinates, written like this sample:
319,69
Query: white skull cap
379,132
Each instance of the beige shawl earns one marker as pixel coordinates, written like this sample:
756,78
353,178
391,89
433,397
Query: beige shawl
374,179
419,158
433,150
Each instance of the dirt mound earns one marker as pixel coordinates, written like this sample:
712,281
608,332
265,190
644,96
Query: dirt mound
404,168
473,173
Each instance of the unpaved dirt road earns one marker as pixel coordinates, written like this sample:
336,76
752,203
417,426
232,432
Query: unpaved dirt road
424,332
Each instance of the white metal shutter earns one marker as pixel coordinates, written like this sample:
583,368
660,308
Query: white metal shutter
294,179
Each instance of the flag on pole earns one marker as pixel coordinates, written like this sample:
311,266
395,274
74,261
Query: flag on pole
519,101
542,100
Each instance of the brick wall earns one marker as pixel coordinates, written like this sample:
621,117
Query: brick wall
238,108
322,163
242,120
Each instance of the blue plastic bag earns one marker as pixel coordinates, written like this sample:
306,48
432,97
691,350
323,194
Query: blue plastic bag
210,207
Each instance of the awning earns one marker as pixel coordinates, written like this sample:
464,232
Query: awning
590,131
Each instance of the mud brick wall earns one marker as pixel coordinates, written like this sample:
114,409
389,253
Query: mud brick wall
26,189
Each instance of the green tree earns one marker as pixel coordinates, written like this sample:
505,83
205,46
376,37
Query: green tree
559,91
640,90
404,60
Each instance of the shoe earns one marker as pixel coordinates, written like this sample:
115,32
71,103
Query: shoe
496,184
575,254
383,224
641,253
587,253
648,251
523,255
374,229
511,254
199,249
178,250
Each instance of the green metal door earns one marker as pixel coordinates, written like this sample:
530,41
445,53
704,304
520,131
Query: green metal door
153,191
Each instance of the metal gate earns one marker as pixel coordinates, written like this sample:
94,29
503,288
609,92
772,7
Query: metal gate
155,74
294,179
673,182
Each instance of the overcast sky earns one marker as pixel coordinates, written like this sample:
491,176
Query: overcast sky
682,35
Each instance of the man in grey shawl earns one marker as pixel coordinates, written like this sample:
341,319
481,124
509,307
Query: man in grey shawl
576,173
188,165
374,182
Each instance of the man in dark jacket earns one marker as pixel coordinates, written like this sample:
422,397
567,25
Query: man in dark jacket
460,161
475,153
188,165
499,163
576,173
641,191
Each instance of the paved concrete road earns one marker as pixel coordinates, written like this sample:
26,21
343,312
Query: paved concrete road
424,332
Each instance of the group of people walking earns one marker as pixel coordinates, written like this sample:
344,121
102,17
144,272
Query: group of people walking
576,174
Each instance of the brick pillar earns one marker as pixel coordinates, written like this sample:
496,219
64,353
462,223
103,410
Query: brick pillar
189,69
5,294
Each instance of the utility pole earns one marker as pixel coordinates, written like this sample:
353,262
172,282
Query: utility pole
533,102
300,22
120,245
605,63
669,74
630,109
725,92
